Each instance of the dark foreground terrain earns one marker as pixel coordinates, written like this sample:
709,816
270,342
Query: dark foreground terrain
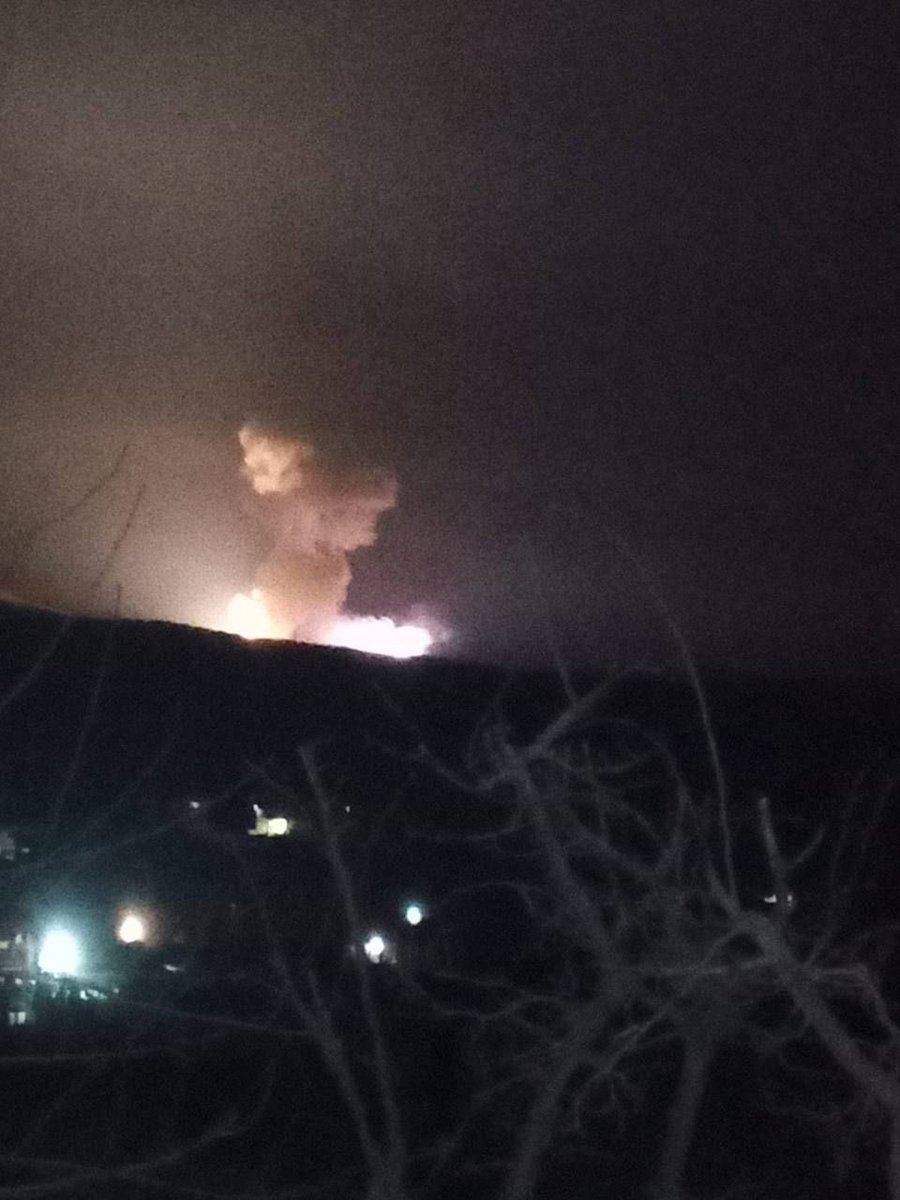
579,1011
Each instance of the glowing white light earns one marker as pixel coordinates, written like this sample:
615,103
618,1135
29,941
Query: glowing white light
60,953
413,914
375,947
269,826
379,635
248,617
132,929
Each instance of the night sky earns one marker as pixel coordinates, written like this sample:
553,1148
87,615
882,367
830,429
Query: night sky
580,274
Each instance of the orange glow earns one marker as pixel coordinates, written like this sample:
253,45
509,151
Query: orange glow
248,617
137,926
131,929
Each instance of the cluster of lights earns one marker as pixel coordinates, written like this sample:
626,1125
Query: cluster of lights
379,949
60,952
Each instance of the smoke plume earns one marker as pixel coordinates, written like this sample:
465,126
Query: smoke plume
318,514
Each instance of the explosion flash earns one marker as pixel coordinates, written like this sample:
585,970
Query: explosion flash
248,617
380,635
319,513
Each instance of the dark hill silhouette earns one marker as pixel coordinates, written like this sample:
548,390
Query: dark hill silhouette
131,752
93,708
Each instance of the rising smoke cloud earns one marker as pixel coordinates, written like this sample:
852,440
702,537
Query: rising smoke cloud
318,514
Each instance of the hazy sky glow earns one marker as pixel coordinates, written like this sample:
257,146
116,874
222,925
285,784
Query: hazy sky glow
561,269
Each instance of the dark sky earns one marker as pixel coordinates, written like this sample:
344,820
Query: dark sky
575,272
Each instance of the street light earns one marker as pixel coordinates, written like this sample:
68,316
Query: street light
132,929
60,953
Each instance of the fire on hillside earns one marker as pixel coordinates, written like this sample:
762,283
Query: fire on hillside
318,514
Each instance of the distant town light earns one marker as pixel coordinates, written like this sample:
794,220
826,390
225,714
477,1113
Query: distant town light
132,929
269,826
414,914
60,953
375,947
